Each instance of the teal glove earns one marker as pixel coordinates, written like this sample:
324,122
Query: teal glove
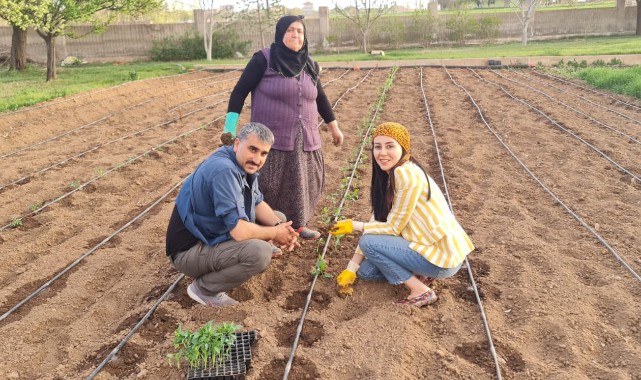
230,123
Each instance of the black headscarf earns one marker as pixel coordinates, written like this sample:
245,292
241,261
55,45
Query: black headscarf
286,61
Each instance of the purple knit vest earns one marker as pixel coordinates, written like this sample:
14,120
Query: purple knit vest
280,103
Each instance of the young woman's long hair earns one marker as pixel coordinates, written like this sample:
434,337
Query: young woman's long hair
383,190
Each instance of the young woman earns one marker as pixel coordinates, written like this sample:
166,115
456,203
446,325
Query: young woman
413,236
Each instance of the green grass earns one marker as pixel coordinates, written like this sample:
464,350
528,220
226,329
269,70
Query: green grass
625,81
561,47
20,89
29,87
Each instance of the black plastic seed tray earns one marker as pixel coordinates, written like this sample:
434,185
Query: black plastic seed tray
233,367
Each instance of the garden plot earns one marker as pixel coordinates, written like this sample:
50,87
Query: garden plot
543,179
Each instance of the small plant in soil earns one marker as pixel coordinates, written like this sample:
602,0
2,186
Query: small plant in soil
16,222
198,347
34,206
320,267
325,217
353,195
75,184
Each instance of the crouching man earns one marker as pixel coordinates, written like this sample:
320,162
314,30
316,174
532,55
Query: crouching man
221,231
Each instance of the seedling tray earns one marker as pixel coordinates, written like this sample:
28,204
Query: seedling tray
233,367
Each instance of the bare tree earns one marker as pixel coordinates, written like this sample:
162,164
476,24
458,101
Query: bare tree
525,14
211,18
638,31
263,14
364,14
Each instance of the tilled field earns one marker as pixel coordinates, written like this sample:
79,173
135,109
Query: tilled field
543,173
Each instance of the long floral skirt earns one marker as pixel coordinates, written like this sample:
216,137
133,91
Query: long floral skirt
292,182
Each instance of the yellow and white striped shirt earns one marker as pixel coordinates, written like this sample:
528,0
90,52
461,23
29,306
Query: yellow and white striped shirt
429,226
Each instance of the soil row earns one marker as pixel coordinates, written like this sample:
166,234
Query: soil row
558,302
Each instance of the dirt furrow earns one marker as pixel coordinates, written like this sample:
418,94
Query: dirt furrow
606,131
559,305
538,259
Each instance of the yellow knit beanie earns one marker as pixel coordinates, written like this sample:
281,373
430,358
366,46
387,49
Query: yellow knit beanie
395,131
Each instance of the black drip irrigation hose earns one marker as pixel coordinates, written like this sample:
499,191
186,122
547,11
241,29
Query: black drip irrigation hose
468,266
200,99
631,138
216,76
299,329
158,302
87,94
135,328
129,161
68,132
571,133
627,104
78,155
337,78
550,192
92,250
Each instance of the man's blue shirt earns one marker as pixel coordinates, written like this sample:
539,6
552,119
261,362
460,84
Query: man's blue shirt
216,195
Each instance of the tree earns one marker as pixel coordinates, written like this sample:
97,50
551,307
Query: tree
263,14
21,14
98,13
638,32
525,15
364,14
210,18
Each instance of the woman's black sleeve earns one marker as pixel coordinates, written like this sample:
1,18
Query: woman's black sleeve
322,103
248,81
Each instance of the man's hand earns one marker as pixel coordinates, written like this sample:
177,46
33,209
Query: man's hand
286,237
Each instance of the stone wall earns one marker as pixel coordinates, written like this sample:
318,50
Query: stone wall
133,41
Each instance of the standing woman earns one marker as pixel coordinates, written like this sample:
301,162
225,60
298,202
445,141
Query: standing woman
287,97
413,236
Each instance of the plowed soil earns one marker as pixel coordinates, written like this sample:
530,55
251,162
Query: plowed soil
542,173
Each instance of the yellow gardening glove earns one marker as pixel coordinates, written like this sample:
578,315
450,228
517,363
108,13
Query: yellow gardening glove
342,227
344,291
346,278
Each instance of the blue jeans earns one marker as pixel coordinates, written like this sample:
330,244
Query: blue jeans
390,258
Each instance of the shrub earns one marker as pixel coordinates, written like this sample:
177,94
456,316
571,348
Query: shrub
226,43
190,47
461,25
489,28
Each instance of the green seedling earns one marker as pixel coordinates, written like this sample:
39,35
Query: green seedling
320,267
34,207
100,172
352,195
325,217
208,343
337,241
75,184
16,222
